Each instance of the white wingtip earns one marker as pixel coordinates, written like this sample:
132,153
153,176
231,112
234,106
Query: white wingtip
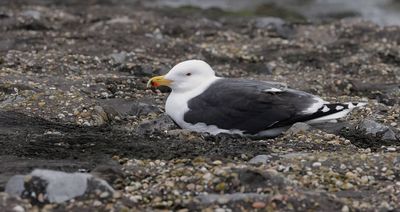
358,104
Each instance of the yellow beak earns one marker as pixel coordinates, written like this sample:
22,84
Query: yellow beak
158,81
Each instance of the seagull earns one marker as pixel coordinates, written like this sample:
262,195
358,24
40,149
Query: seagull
202,102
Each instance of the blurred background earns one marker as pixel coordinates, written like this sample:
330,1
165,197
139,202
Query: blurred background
382,12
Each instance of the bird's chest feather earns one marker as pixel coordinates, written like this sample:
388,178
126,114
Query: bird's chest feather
176,106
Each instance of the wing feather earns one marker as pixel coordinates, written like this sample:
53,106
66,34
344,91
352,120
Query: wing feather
244,105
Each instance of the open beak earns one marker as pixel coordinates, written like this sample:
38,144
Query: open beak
158,81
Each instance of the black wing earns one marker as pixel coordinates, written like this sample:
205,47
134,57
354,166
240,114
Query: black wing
249,106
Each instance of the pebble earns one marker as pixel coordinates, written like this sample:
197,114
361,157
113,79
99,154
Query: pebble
316,164
350,175
391,149
364,179
104,194
18,208
260,159
345,208
217,162
97,203
258,205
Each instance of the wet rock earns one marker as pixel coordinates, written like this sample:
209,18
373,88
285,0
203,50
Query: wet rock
376,129
42,186
162,123
297,128
260,159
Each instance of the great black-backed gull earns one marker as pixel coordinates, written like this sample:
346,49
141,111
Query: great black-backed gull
203,102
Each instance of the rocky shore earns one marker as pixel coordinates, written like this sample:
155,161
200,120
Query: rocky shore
74,105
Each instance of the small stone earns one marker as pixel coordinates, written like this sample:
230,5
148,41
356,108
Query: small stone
316,164
347,186
217,162
220,186
96,203
350,175
297,128
345,208
260,159
190,186
18,208
117,195
104,195
364,179
40,197
258,205
137,198
391,149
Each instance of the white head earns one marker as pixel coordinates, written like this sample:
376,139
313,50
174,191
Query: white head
185,76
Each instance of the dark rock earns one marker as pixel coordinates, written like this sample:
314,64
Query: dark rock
43,186
160,124
371,134
376,129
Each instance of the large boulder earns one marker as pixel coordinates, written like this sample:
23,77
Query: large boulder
44,186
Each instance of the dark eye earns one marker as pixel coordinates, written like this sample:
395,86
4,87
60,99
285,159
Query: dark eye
188,74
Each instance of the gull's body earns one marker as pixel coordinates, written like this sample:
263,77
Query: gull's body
202,102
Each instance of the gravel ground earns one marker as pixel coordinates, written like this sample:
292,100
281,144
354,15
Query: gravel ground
73,98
